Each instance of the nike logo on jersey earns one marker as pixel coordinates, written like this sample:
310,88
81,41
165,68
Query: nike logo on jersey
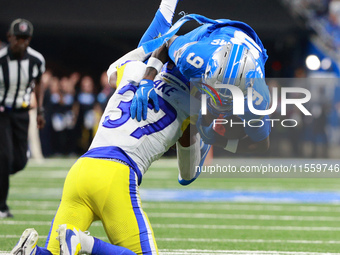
143,82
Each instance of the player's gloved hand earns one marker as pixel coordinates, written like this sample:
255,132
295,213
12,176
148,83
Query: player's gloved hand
139,105
208,135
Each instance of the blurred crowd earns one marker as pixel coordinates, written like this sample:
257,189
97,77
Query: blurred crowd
73,107
313,136
323,16
74,103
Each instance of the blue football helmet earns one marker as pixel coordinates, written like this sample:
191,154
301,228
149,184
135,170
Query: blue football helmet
231,64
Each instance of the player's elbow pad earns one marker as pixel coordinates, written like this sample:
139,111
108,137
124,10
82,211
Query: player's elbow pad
188,158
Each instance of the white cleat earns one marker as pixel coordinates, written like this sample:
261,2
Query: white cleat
27,244
69,239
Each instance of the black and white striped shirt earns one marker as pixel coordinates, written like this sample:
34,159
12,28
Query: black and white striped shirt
17,77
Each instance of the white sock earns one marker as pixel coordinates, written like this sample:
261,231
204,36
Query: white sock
86,242
167,8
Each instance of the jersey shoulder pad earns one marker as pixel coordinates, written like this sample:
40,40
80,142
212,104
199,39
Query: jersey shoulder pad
130,72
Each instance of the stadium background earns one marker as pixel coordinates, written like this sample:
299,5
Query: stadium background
80,38
84,36
293,215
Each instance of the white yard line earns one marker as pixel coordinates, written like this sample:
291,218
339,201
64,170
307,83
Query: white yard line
34,204
243,216
34,212
215,240
36,223
38,191
191,226
207,216
208,252
42,237
241,207
50,174
201,206
245,227
225,240
61,174
214,252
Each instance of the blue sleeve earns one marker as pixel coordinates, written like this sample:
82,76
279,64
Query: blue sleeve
159,26
261,132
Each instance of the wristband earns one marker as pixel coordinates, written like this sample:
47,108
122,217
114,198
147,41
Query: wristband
232,145
40,110
155,63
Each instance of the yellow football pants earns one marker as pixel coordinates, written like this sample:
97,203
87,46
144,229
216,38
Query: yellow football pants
98,189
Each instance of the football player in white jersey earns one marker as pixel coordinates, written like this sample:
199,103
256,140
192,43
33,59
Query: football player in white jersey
103,183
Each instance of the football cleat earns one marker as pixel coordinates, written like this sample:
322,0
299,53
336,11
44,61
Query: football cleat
27,244
5,214
69,239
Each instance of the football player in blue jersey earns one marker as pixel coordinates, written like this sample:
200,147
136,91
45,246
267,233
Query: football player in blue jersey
217,53
103,183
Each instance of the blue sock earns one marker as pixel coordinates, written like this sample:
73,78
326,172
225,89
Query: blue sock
42,251
158,26
102,248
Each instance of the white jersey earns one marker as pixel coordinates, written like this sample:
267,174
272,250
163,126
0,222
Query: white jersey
144,141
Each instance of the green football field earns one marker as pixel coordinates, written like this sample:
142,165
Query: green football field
185,224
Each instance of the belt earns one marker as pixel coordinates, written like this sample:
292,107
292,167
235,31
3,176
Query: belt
7,109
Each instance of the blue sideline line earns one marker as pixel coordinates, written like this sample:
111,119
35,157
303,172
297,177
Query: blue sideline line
239,196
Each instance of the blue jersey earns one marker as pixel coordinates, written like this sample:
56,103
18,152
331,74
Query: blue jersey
192,51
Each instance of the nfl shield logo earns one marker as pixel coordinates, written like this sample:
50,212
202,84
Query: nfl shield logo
23,26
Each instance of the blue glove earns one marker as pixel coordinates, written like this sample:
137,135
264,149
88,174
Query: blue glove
208,135
139,103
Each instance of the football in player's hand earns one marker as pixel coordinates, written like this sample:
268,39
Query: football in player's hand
229,127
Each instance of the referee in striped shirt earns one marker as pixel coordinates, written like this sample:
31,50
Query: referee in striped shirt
21,68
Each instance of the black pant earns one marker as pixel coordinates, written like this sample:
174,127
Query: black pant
13,148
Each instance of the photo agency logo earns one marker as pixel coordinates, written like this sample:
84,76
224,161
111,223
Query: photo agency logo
252,99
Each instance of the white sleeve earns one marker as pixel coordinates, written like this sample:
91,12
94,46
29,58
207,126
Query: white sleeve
136,54
188,158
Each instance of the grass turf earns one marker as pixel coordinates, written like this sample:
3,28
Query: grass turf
35,194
